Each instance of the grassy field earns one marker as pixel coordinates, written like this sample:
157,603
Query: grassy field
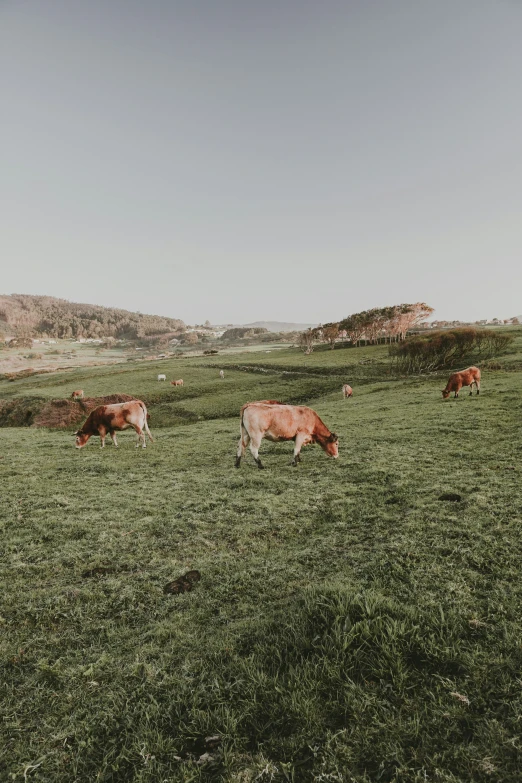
356,620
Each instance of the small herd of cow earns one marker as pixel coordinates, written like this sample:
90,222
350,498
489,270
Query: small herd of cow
270,419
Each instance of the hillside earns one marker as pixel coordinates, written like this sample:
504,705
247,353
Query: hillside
279,326
37,316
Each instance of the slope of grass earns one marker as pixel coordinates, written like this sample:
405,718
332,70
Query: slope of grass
349,623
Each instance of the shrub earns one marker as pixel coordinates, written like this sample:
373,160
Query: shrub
439,350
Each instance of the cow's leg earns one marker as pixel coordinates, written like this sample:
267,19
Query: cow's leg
477,384
471,388
113,436
255,443
140,436
299,441
102,433
244,440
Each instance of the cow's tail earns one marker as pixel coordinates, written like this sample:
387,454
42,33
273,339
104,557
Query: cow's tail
147,417
242,429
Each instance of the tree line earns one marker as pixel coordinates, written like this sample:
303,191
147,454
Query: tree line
378,325
47,316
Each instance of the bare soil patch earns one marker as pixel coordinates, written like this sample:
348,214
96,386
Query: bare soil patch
55,414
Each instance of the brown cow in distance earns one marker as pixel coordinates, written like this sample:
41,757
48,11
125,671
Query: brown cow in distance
77,394
463,378
177,383
347,391
279,422
109,418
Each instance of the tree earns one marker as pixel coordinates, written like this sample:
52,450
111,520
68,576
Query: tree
306,341
190,338
384,323
329,334
409,315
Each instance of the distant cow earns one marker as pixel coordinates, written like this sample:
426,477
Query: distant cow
108,418
162,377
77,394
463,378
347,391
278,422
177,383
221,374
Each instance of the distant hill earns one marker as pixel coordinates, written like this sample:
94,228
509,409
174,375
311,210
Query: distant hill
32,316
279,326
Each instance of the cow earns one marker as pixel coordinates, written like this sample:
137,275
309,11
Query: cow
463,378
347,391
162,377
77,394
278,422
221,374
108,418
177,383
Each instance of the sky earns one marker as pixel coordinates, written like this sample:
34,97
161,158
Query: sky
243,160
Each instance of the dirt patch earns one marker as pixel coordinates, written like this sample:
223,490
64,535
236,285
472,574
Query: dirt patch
14,376
60,414
19,412
55,414
183,584
452,497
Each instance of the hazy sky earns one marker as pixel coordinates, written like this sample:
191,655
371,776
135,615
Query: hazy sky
240,160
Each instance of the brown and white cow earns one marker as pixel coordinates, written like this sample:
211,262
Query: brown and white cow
347,391
109,418
463,378
177,383
278,422
77,394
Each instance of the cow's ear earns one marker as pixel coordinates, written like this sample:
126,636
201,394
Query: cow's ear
334,438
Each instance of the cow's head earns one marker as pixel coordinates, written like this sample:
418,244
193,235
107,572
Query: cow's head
81,439
331,445
445,394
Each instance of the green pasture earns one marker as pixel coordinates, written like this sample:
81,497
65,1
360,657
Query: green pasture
356,620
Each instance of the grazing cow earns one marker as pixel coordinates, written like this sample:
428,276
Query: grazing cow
162,377
77,394
347,391
177,383
463,378
108,418
221,374
277,422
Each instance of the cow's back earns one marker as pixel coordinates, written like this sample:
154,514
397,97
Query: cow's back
284,420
